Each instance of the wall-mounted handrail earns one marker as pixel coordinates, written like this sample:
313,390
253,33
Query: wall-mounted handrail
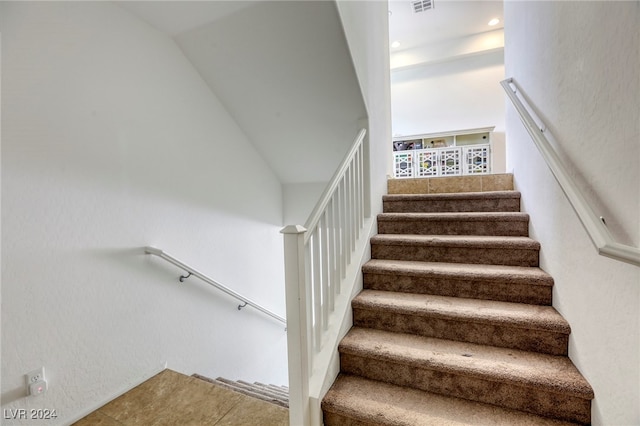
192,271
593,223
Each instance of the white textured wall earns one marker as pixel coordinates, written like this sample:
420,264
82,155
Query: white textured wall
299,201
456,94
453,95
283,70
111,141
366,26
578,63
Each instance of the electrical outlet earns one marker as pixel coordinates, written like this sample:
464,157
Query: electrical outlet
36,382
35,376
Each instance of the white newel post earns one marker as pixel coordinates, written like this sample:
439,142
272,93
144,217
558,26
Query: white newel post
297,349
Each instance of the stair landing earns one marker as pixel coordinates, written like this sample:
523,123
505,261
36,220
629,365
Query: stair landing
170,398
451,184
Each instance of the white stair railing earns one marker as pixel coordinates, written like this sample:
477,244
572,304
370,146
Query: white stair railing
320,260
598,232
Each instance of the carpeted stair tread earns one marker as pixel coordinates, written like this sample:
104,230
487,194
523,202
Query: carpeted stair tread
529,317
476,241
509,325
450,216
276,388
547,373
491,282
267,389
516,274
494,250
497,201
355,400
247,389
250,387
470,223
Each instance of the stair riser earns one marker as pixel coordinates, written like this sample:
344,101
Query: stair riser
501,335
274,388
449,206
447,286
475,255
277,401
541,401
454,227
335,419
253,391
266,389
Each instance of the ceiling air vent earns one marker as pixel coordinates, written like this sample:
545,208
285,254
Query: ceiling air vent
422,5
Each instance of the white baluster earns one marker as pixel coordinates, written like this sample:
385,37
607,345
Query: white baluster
317,289
340,232
324,270
347,219
352,209
332,254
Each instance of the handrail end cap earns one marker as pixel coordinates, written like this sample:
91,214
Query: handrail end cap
152,250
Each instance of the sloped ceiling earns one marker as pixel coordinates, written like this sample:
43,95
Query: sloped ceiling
176,17
282,70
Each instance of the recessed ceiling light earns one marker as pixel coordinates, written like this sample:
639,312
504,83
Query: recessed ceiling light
395,44
493,22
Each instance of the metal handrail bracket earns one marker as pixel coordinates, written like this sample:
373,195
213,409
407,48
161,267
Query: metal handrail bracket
598,232
192,271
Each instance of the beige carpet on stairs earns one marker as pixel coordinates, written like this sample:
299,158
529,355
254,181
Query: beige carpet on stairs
455,325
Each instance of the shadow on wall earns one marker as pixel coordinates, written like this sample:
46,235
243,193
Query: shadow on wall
284,72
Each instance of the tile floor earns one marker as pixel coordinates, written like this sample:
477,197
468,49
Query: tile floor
171,398
479,183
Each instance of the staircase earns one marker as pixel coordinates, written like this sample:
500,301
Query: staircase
278,395
455,324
